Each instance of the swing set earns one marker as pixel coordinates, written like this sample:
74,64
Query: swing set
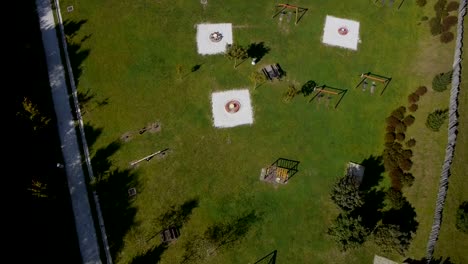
296,9
375,78
330,92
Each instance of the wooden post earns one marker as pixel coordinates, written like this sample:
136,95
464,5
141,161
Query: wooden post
147,157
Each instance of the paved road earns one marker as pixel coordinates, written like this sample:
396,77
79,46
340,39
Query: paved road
88,242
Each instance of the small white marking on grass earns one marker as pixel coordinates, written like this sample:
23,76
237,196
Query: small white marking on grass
205,45
221,118
332,37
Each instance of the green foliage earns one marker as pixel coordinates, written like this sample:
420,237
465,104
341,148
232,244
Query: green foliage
439,8
446,37
390,239
392,121
413,107
235,52
441,81
411,143
462,217
435,26
436,119
390,129
345,193
400,127
407,179
308,88
38,189
395,198
421,3
348,232
405,164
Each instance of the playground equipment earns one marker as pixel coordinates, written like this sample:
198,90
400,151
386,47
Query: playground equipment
279,171
170,234
296,9
321,91
149,157
375,78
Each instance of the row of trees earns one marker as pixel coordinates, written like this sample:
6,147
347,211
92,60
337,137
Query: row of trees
443,21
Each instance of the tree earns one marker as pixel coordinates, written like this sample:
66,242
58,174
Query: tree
348,232
31,112
235,52
389,238
290,93
436,119
308,88
462,217
441,81
345,193
396,198
257,78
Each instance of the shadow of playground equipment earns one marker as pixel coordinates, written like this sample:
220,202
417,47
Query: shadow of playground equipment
268,259
320,90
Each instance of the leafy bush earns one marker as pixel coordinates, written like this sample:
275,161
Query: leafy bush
413,107
348,232
452,6
345,193
411,143
405,164
389,137
448,23
424,18
390,129
399,113
400,127
446,37
413,98
408,120
441,81
389,238
422,90
308,88
462,217
395,198
439,8
407,153
435,26
421,3
436,119
400,136
392,121
407,179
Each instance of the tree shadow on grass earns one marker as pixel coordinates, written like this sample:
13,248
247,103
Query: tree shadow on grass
373,173
257,50
268,259
92,134
151,256
405,217
76,54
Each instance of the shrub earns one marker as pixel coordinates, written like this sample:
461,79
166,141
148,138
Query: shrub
452,6
389,238
396,173
422,90
413,107
308,88
421,3
435,26
441,80
436,119
396,198
408,120
389,137
390,129
348,232
407,179
400,136
448,23
400,128
407,153
392,121
399,113
411,143
462,217
446,37
424,18
439,8
345,193
413,98
405,164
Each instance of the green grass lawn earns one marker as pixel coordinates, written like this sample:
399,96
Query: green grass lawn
128,53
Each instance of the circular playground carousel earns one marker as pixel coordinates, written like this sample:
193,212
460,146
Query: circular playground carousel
343,31
216,36
232,106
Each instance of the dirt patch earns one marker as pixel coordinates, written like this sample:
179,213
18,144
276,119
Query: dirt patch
127,136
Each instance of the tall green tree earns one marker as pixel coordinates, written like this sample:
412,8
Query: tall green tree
257,78
345,193
390,239
348,232
236,52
